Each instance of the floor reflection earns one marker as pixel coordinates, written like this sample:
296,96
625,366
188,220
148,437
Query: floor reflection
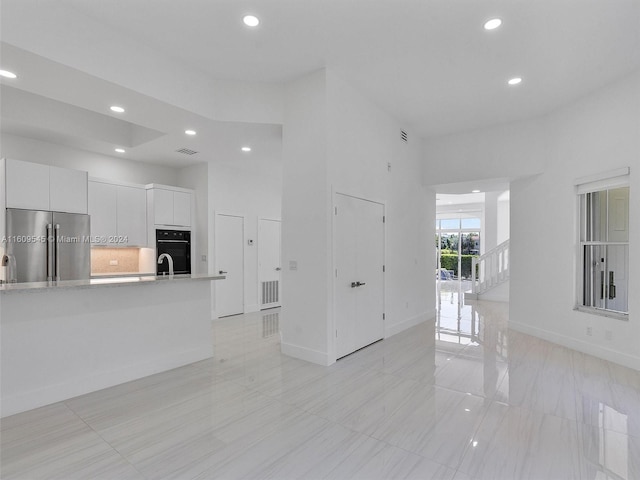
542,402
463,397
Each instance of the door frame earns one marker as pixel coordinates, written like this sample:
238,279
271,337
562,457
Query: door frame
215,257
259,282
332,342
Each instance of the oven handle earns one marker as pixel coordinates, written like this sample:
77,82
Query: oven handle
172,241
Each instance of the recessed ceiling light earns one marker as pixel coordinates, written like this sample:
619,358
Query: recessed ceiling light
117,109
7,74
251,20
120,150
515,81
246,149
475,191
492,24
190,132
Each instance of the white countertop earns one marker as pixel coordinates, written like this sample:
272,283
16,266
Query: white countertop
106,281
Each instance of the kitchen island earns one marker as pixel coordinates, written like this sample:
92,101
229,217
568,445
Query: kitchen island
59,340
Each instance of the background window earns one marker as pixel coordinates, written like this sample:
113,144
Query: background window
604,249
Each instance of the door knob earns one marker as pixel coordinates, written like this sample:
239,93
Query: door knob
222,272
278,269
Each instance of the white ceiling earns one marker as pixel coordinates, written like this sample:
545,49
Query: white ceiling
59,104
427,62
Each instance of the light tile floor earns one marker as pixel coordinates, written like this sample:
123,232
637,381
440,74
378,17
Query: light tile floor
463,399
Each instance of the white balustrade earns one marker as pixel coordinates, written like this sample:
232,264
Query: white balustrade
490,269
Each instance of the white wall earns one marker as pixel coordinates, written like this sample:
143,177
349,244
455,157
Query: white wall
306,237
362,141
336,140
508,151
489,237
196,178
598,133
253,196
504,228
31,150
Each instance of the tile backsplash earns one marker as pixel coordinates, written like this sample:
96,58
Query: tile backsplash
127,260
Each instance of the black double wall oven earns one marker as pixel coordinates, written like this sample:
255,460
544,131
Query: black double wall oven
176,243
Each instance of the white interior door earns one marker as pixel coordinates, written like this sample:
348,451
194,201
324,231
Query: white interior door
269,263
229,261
359,277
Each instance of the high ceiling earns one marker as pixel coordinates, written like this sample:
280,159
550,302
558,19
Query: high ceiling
429,63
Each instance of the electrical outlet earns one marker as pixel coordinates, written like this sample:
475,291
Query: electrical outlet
608,334
113,262
204,258
589,331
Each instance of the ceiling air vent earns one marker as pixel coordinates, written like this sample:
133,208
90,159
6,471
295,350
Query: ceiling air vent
186,151
403,136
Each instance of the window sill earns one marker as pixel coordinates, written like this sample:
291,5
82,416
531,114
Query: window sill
602,313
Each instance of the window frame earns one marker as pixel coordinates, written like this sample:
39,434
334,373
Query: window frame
596,183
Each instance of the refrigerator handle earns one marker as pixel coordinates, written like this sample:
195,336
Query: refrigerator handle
57,236
49,252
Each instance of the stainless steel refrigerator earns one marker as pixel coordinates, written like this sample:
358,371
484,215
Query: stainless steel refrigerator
44,246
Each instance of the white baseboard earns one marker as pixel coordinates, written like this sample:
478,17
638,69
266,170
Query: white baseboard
252,308
579,345
64,391
391,330
491,297
307,354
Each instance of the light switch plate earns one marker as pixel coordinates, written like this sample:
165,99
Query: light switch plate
293,265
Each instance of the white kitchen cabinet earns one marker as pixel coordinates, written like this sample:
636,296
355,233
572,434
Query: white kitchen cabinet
67,190
163,206
102,209
181,209
118,214
34,186
132,215
27,185
170,207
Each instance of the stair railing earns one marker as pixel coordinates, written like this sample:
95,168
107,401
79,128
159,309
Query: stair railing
490,269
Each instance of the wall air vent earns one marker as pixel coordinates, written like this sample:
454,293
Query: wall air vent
186,151
404,136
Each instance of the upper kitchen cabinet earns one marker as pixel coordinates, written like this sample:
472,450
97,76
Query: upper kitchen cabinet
170,205
67,190
103,200
182,208
27,185
33,186
132,215
118,214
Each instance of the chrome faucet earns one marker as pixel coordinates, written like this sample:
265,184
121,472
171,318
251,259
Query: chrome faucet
10,262
169,259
